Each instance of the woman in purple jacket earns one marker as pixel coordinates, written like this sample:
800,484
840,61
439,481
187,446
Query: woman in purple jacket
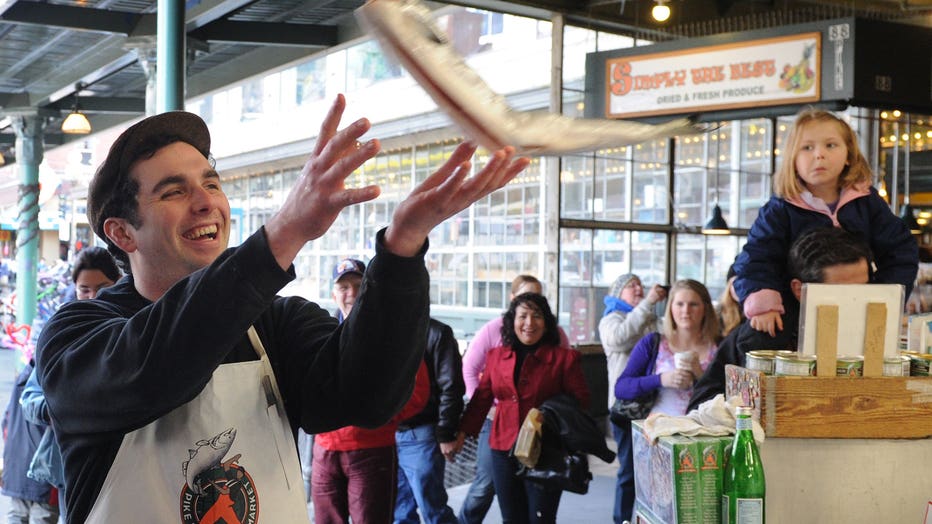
671,365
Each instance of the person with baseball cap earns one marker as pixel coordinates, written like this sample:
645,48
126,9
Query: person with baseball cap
347,277
177,392
353,468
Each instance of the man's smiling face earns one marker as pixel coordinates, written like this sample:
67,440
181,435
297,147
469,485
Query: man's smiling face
184,215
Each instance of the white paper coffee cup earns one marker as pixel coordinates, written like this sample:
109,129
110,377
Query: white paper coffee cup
684,360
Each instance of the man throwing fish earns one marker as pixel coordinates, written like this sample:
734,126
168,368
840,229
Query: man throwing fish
194,341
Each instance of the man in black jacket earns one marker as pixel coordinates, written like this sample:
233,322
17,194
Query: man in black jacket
826,255
173,392
424,440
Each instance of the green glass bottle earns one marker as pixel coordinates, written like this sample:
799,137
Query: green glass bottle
744,488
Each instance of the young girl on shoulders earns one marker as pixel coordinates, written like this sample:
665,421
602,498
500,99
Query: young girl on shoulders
824,180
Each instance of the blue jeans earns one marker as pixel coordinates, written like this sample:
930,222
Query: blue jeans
624,487
420,478
481,492
522,501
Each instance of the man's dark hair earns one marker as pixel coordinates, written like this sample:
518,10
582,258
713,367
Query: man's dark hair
533,301
820,248
95,257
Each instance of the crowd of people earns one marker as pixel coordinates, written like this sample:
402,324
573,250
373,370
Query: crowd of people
186,373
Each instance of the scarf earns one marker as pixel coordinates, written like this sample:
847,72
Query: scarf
616,304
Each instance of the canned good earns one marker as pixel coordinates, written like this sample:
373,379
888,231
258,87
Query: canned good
849,366
919,364
795,365
761,360
897,366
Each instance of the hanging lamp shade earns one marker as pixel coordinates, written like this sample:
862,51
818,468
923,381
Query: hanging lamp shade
906,213
716,225
76,123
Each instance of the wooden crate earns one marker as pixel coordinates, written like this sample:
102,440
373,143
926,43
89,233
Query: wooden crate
835,407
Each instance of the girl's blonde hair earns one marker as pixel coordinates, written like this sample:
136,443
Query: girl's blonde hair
730,310
786,182
711,329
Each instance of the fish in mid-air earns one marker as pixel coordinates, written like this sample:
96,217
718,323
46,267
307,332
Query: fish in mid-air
406,31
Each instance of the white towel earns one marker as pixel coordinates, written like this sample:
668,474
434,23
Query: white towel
714,417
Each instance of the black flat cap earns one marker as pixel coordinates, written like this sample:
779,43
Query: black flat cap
128,147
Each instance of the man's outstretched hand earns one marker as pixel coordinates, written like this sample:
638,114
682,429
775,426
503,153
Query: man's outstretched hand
447,192
320,192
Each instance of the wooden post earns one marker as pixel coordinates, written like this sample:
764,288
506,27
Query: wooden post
826,340
874,331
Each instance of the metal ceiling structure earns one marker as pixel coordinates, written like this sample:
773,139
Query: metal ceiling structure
95,52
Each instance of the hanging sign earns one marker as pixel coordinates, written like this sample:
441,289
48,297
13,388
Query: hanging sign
771,71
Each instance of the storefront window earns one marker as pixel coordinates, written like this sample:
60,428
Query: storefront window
719,166
706,258
590,260
311,81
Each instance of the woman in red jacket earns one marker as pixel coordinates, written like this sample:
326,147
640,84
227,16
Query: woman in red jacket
529,368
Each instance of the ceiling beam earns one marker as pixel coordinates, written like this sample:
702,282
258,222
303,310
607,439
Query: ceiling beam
207,11
268,33
13,99
102,104
79,18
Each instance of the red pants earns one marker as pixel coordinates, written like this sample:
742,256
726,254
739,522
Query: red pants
359,484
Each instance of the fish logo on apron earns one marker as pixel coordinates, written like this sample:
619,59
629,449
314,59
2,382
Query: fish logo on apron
217,490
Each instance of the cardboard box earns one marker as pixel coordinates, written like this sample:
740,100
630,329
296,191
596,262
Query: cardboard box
679,479
711,453
640,451
666,477
675,474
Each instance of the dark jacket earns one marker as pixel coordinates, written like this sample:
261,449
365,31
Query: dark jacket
445,368
569,433
762,264
116,363
734,347
21,438
576,430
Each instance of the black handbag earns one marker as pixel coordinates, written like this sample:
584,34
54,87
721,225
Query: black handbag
624,411
569,472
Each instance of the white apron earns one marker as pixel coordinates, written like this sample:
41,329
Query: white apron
228,454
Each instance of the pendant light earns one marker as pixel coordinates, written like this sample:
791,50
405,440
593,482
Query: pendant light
661,11
906,212
716,225
76,123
